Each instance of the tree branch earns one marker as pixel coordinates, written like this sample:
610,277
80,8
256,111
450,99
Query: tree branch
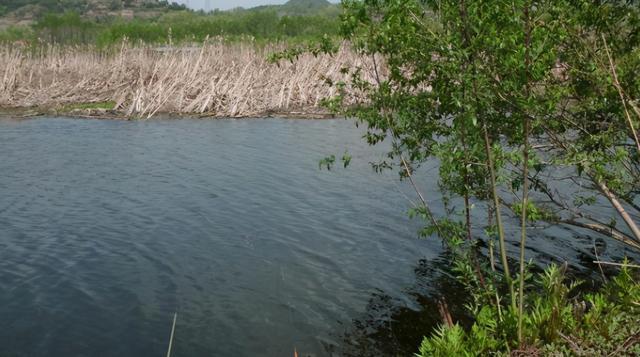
604,230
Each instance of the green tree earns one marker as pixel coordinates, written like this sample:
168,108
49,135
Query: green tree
530,107
115,5
66,28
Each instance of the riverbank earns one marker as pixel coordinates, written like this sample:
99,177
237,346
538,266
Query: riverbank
89,112
213,80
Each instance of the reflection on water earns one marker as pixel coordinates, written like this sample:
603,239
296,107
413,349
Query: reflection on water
395,326
109,227
392,326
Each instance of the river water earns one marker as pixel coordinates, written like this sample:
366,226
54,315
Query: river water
108,228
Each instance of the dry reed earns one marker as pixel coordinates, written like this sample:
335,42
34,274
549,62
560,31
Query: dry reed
215,79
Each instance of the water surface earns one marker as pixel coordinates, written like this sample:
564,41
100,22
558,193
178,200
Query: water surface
109,227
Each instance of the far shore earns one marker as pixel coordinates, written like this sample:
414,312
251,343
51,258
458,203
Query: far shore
35,112
216,81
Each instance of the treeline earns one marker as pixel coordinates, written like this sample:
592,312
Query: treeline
190,27
175,27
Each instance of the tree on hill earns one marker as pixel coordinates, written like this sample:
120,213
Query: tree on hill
308,3
41,7
306,7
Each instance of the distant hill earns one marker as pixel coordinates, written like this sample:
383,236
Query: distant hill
83,6
16,11
301,5
300,8
151,19
24,11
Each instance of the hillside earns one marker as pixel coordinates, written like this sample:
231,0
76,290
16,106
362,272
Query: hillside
307,4
108,22
98,8
304,7
299,8
25,12
23,7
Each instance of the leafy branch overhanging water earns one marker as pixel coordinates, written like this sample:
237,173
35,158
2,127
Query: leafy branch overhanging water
530,107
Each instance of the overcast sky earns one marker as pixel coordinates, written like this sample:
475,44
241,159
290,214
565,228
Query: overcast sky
229,4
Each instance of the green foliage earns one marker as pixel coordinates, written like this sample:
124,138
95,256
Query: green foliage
309,7
534,212
473,84
65,22
447,341
455,71
189,27
65,28
560,320
82,6
15,33
346,160
327,162
455,341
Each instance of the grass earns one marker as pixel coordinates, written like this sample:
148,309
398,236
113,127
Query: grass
560,320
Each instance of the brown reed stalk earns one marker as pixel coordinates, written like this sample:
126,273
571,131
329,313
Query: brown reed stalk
214,79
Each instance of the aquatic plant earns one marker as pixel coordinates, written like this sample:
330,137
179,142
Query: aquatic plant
216,79
559,320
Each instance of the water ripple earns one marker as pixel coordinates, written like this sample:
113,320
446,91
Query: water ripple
109,227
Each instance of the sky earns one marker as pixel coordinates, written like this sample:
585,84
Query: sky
229,4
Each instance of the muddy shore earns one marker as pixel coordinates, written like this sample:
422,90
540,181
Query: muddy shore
26,113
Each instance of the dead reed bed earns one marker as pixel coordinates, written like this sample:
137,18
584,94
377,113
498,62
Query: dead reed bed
214,79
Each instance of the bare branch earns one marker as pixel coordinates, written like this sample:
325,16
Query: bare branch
618,86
